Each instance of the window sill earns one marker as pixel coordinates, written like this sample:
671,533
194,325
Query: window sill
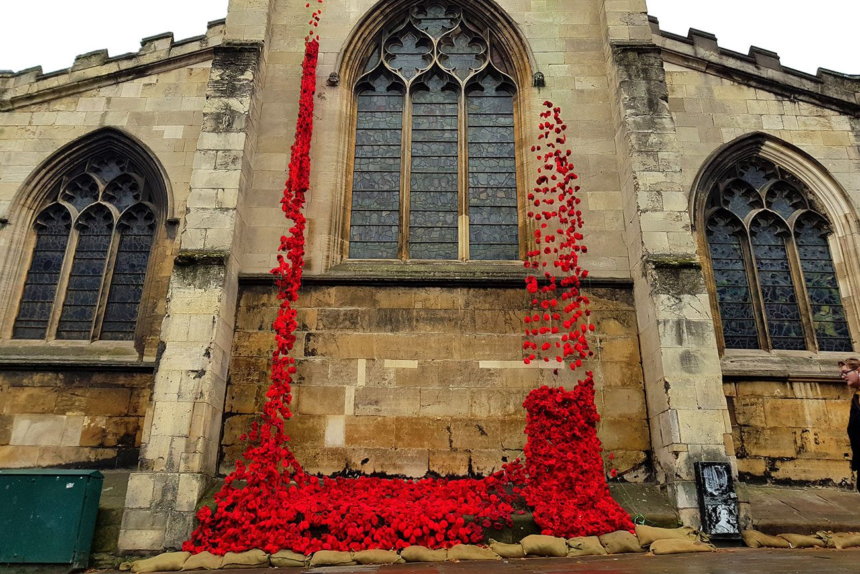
792,366
426,273
43,355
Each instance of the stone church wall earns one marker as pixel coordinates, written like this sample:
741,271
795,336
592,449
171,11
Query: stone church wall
76,403
409,380
789,409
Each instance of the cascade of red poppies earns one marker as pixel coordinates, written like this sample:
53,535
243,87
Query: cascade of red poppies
565,482
269,502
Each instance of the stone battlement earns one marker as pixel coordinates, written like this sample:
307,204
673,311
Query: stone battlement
96,68
699,50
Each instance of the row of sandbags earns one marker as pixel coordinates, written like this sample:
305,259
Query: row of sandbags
839,540
657,540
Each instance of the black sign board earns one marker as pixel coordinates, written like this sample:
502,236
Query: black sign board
718,502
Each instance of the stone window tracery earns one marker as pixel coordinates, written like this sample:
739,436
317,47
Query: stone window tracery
434,174
91,252
773,270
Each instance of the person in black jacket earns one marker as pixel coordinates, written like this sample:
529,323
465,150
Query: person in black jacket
849,370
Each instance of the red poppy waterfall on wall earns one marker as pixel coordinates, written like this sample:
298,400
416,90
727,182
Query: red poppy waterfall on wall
269,502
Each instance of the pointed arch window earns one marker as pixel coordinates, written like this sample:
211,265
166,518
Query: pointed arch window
434,174
92,248
774,278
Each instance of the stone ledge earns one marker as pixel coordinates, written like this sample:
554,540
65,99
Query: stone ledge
778,509
760,68
427,274
789,366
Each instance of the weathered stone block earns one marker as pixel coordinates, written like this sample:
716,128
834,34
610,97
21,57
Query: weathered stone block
421,432
387,402
369,431
321,400
449,463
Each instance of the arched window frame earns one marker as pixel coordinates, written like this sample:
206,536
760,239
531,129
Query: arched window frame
824,197
495,28
40,191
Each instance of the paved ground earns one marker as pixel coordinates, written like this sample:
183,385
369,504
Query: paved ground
734,561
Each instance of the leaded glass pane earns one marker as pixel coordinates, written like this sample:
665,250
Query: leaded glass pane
756,171
433,194
784,199
436,19
40,288
409,52
492,171
82,294
123,191
462,53
828,314
81,191
108,166
375,220
740,198
136,228
768,237
733,292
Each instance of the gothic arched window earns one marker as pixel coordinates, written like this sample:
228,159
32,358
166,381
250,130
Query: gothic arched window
91,251
773,270
435,166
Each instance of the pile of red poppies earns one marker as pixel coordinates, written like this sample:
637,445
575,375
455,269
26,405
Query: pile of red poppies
269,502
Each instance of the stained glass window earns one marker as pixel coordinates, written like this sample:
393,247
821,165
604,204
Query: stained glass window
81,247
774,277
828,313
432,73
52,237
777,287
135,231
730,275
493,230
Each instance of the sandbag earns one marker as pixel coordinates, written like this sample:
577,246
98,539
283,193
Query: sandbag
650,534
423,554
756,539
803,541
377,557
620,542
287,559
168,562
679,546
249,559
846,540
332,558
203,561
540,545
585,546
507,550
471,552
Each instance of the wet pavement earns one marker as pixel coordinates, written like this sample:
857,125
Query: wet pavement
731,561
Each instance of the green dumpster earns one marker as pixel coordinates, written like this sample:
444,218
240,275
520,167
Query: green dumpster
48,516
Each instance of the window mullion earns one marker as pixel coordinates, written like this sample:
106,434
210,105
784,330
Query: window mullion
463,177
405,174
757,297
107,278
803,303
62,284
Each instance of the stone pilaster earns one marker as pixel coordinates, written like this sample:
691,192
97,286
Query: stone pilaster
687,409
182,428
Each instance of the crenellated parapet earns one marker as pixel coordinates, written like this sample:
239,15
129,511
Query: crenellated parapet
96,69
761,68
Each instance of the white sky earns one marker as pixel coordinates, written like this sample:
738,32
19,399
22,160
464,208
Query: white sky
806,34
